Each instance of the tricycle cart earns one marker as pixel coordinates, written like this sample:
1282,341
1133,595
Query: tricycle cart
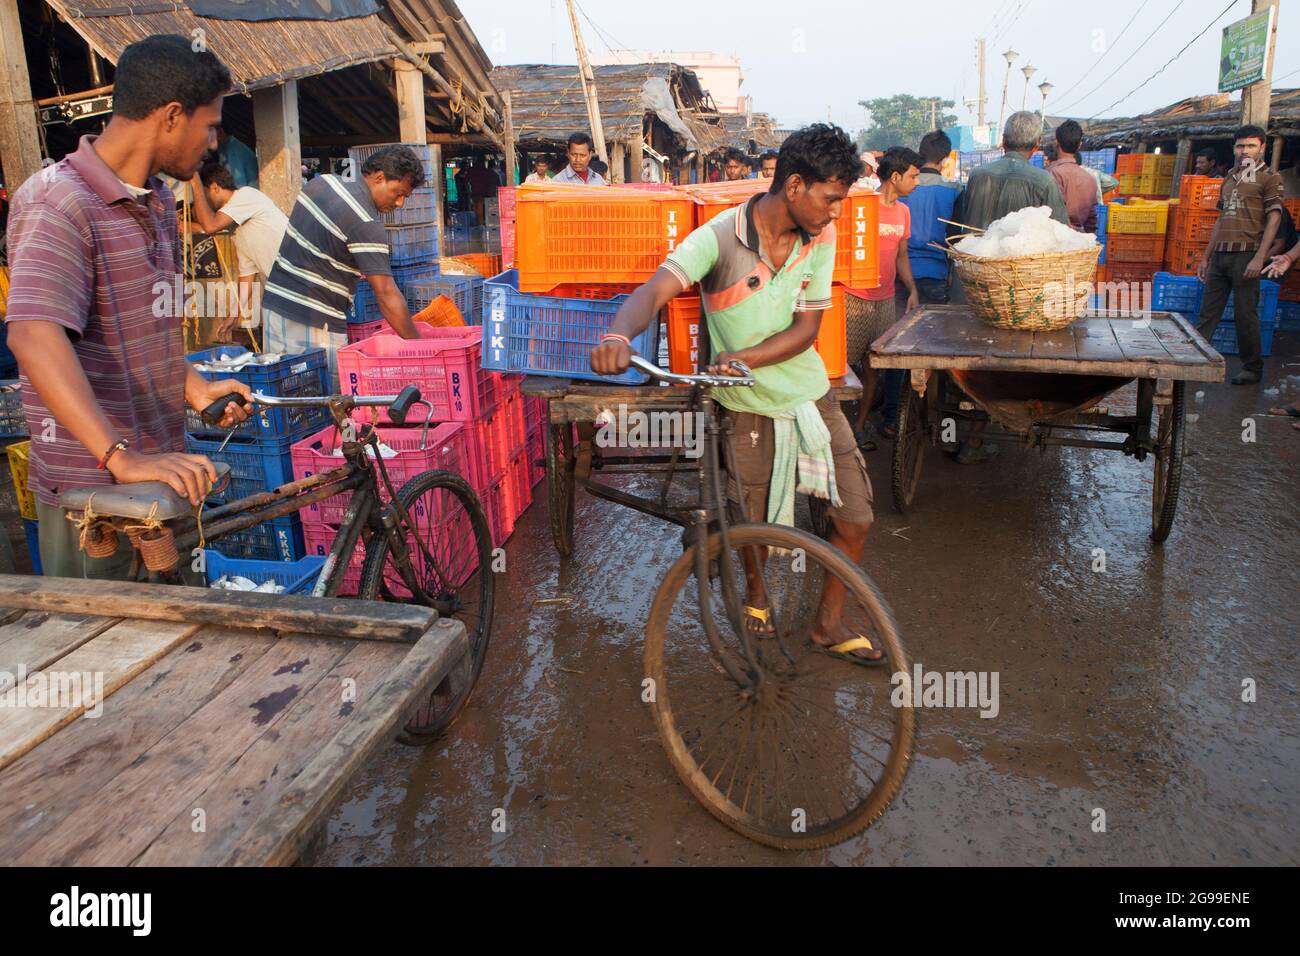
969,380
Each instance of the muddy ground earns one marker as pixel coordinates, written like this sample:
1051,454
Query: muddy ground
1119,690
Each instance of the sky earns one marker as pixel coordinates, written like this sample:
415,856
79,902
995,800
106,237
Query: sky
815,59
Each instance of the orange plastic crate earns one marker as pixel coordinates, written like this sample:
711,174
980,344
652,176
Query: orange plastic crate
832,338
857,241
1122,248
601,292
589,236
1129,271
1290,291
1129,163
685,316
1182,258
486,264
1196,225
1199,192
1293,207
713,199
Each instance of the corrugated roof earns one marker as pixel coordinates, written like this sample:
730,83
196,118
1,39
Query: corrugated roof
258,54
1197,117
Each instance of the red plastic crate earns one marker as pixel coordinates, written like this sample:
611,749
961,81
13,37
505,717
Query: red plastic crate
444,450
491,445
443,363
1128,272
1125,248
536,454
494,506
360,331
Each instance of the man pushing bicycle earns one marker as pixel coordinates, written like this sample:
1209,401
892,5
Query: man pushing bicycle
764,271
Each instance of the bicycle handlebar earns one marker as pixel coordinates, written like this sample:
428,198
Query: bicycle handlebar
746,378
409,396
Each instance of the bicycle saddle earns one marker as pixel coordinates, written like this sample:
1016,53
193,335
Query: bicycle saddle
136,500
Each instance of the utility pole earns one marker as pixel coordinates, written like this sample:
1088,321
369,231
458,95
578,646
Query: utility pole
512,159
588,86
1255,98
983,99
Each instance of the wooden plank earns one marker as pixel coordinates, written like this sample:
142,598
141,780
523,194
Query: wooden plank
45,786
38,639
1054,345
252,785
278,837
361,620
129,812
1095,342
1138,341
8,614
112,659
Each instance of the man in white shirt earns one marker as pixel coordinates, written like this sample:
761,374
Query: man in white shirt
259,228
541,169
581,152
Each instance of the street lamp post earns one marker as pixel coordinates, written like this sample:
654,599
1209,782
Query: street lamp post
1029,71
1010,57
1044,88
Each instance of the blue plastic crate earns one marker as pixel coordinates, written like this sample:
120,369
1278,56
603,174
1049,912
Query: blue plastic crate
298,577
1036,159
304,374
359,154
419,207
1101,221
254,466
465,291
408,245
1224,340
1101,259
464,219
1288,316
1268,292
31,528
1102,159
550,335
1171,293
366,309
279,539
13,423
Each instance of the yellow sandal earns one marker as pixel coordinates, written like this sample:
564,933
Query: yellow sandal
844,651
764,615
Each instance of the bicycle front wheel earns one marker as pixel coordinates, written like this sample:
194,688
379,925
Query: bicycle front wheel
817,749
453,573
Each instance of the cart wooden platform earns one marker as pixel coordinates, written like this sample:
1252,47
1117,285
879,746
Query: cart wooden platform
574,406
228,722
1043,388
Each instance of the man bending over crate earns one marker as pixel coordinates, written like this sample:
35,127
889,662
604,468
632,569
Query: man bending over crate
764,271
336,235
94,253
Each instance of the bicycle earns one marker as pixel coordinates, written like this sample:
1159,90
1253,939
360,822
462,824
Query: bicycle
769,736
411,546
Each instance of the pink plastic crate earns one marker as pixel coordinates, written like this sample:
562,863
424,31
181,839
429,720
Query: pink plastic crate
536,454
443,363
494,505
452,548
519,487
444,449
359,331
516,434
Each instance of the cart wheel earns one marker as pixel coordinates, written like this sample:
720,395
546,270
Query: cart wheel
1169,465
559,485
909,448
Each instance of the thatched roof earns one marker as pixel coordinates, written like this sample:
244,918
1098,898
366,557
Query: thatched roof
1198,117
547,102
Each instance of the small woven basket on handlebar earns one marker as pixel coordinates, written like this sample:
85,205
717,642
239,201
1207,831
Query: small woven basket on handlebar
1037,293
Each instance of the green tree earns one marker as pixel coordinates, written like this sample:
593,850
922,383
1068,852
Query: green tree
903,119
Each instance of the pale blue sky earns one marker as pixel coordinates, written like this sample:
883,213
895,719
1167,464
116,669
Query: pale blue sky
849,53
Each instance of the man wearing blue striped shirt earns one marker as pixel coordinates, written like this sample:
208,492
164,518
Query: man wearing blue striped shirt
336,235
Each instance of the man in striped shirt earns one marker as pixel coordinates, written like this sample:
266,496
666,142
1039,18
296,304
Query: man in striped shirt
336,235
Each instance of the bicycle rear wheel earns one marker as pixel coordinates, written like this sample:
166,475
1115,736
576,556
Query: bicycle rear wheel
818,750
450,523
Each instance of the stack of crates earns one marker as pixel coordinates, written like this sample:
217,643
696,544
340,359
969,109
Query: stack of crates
1134,241
465,291
1176,293
1157,178
506,199
482,435
1128,170
1191,223
259,450
412,240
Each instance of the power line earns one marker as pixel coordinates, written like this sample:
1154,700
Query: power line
1230,5
1285,75
1127,62
1004,29
1106,53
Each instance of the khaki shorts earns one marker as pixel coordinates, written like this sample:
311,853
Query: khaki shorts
753,440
